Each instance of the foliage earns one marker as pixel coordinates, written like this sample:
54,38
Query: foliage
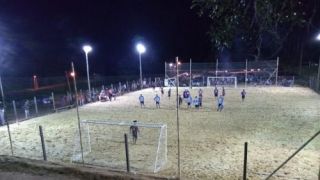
262,25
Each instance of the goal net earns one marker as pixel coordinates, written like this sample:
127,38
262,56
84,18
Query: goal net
103,145
222,81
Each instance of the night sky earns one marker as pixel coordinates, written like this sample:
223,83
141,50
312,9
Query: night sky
43,37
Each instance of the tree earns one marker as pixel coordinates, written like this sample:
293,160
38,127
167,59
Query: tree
261,25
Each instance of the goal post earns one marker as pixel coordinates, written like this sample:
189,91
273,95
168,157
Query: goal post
230,81
103,145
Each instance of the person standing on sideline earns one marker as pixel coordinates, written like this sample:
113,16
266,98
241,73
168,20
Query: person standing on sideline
141,99
162,91
243,95
2,120
169,93
220,103
134,130
26,108
157,100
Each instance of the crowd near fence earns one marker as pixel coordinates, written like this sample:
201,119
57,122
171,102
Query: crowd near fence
27,98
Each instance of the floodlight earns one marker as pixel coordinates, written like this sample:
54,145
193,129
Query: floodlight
318,37
87,48
73,74
170,64
140,48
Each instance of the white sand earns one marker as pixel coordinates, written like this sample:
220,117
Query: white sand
274,121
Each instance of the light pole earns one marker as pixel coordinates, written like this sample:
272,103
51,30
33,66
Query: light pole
141,49
87,49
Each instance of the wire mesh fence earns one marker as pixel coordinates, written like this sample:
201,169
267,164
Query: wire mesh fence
27,102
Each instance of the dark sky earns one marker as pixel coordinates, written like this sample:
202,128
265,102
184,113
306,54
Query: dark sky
43,37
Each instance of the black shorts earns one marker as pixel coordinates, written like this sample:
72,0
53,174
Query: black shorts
189,104
196,106
135,135
243,97
142,102
216,95
157,103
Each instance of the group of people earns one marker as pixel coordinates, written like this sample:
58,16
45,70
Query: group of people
107,95
186,97
196,101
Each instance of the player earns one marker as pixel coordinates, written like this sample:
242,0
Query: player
200,97
189,101
216,92
196,102
220,103
186,95
223,91
243,95
157,100
26,108
134,130
180,100
2,121
162,91
141,99
169,93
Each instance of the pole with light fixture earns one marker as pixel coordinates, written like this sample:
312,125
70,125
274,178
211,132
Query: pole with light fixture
141,49
87,49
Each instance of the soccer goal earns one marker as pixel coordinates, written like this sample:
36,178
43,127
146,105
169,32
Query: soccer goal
103,145
230,81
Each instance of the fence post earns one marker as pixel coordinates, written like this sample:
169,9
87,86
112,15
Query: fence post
35,104
277,71
245,161
53,101
127,152
120,88
15,111
127,88
42,144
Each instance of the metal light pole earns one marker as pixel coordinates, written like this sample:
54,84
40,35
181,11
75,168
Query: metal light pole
141,49
177,108
88,49
140,70
73,74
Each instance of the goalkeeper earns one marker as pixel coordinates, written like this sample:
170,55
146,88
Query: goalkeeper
134,130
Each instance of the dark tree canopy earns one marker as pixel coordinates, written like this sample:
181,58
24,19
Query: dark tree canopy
261,26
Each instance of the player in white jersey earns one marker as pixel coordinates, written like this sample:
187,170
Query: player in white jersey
141,100
220,103
196,102
157,100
